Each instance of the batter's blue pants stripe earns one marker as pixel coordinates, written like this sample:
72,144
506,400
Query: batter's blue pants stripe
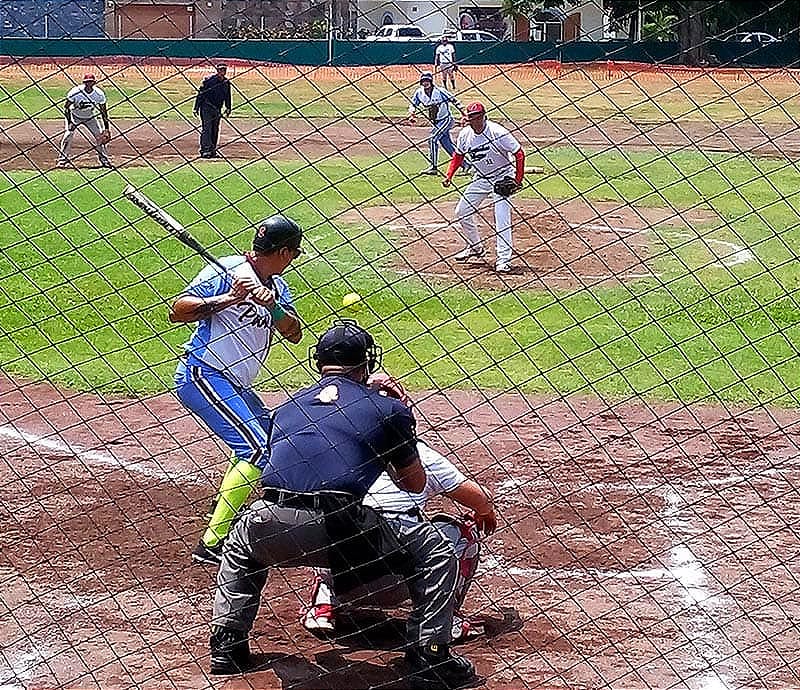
440,134
234,414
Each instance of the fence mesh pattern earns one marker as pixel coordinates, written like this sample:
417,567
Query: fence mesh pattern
605,363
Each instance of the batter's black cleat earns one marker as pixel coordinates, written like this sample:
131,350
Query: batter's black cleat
207,555
435,667
230,651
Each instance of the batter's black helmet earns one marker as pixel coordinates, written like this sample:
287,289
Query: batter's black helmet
277,232
346,344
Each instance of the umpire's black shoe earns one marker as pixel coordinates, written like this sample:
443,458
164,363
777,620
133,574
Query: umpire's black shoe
230,651
435,667
207,555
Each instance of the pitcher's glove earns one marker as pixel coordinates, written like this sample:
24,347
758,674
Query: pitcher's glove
506,187
433,112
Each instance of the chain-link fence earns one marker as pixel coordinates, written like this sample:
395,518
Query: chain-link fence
582,277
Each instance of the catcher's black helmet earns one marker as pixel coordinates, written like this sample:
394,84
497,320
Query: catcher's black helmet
346,344
277,232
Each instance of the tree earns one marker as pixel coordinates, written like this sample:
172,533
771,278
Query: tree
695,20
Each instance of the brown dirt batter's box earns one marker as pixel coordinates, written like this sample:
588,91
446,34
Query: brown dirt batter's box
632,535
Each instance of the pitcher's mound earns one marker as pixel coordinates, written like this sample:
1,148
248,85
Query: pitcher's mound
561,244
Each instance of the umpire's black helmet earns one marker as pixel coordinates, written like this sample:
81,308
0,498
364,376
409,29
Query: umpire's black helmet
277,232
346,344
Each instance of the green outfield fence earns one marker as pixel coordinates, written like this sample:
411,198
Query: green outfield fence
604,366
372,53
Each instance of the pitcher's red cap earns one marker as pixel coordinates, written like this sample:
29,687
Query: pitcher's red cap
475,108
88,77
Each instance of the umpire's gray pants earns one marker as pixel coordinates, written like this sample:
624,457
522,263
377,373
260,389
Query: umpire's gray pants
269,535
93,127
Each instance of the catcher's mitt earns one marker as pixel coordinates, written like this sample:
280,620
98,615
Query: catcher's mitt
506,187
104,137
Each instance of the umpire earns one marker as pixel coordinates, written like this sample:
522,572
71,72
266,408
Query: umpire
214,93
328,444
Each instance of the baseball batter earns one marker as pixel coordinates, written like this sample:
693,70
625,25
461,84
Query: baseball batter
436,102
236,313
499,163
81,108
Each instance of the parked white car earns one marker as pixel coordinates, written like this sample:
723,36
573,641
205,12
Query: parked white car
469,35
398,32
753,37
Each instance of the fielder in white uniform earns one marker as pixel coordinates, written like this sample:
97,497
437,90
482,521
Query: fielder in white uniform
444,59
404,510
83,103
494,154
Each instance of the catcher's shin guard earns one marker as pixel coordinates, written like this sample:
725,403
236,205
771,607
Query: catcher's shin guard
468,550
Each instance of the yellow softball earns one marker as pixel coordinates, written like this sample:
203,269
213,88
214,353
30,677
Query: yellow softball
350,299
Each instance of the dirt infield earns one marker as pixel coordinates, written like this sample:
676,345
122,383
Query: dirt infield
640,546
26,145
565,244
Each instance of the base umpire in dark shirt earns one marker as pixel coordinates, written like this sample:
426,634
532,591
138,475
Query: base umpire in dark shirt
328,443
214,93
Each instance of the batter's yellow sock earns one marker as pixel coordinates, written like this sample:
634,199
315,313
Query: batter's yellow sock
236,486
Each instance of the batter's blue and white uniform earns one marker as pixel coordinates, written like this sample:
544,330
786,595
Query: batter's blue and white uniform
223,357
440,132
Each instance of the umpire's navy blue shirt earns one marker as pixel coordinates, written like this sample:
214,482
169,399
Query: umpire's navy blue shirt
214,91
338,435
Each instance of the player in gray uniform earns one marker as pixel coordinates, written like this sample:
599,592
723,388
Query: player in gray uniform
79,109
436,102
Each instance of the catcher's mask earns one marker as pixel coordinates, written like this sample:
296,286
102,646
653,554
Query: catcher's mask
346,344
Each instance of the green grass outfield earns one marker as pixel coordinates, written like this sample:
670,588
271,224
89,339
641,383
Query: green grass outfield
84,284
258,96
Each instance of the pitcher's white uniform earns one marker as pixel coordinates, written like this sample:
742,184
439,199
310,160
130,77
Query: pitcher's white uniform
491,153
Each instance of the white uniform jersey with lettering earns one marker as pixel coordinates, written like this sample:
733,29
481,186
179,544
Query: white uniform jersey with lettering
438,97
491,152
441,477
236,340
84,105
446,54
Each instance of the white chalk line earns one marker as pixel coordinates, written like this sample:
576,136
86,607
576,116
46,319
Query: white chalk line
60,447
738,253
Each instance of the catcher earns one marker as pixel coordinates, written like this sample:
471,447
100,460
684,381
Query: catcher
404,510
499,163
436,102
79,109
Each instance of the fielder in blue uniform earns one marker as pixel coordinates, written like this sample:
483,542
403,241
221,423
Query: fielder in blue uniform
237,312
436,103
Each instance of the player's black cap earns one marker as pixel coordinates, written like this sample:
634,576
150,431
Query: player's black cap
277,232
346,344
